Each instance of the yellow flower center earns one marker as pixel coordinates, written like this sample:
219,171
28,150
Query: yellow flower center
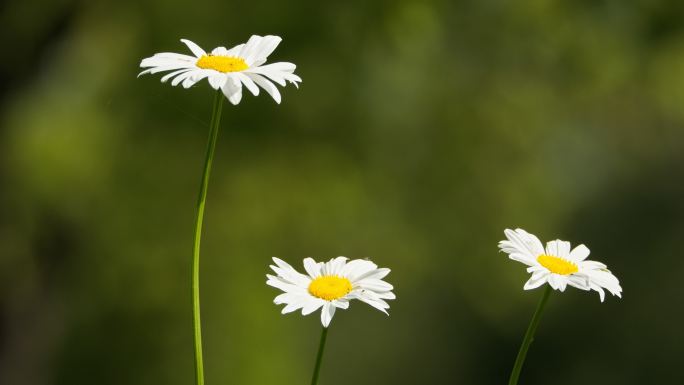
330,287
222,63
557,265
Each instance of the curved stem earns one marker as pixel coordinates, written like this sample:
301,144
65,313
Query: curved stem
529,337
196,324
319,356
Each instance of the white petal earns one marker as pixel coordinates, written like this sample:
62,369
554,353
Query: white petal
291,307
312,305
359,269
579,253
602,294
537,279
282,264
289,298
172,56
189,82
280,67
371,299
154,70
522,242
341,303
201,74
217,80
172,74
154,66
558,248
376,285
327,267
283,285
199,52
327,314
266,85
605,279
289,274
235,51
562,282
293,301
579,281
374,274
280,73
334,266
232,89
259,53
248,82
248,49
592,265
220,51
178,79
386,295
554,281
312,268
524,258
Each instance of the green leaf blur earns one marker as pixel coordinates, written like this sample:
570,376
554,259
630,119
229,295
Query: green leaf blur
421,130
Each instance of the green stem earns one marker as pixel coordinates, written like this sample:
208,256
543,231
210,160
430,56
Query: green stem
196,324
529,337
319,356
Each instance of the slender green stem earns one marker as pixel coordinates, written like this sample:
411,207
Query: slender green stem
529,337
319,356
196,324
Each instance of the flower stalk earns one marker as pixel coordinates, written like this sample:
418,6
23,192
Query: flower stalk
201,201
529,337
319,356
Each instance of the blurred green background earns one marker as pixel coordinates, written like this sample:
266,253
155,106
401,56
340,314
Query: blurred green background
421,130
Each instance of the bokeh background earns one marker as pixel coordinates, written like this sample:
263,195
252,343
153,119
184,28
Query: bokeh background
421,130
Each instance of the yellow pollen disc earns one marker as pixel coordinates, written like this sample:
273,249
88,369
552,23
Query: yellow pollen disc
557,265
330,287
222,63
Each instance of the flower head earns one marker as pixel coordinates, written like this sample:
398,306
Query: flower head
558,265
226,69
330,285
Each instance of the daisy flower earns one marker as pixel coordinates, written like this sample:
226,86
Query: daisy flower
558,265
226,69
330,285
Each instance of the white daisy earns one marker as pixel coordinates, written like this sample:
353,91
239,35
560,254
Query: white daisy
330,285
226,69
558,265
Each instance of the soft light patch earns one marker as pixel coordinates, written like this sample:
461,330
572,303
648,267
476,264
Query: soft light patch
557,265
330,287
222,63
